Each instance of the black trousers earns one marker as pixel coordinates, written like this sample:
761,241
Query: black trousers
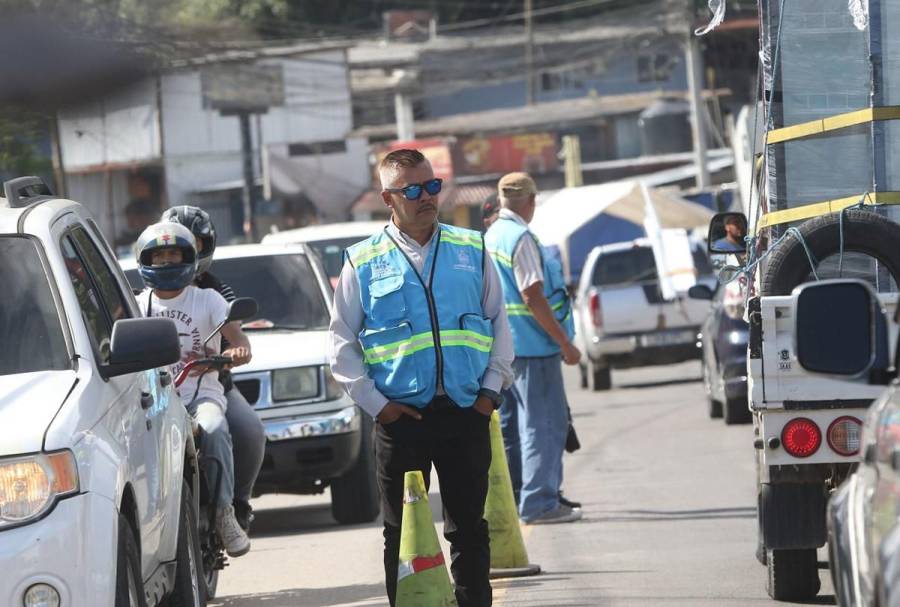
457,441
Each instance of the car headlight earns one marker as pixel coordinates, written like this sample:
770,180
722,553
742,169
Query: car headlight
737,338
333,389
30,485
299,383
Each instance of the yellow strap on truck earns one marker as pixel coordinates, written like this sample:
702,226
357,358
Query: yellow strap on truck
808,211
832,123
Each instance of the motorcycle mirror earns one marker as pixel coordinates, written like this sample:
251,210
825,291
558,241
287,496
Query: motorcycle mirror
241,308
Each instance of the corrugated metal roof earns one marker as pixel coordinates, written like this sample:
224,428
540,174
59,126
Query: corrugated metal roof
509,120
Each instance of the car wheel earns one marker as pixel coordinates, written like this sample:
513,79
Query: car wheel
793,574
714,406
190,588
129,585
602,377
354,496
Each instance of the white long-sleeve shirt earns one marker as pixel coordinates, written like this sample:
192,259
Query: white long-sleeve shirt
345,352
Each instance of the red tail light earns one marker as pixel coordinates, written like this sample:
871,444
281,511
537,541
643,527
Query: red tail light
844,435
596,312
801,437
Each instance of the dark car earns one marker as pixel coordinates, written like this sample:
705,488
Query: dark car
723,341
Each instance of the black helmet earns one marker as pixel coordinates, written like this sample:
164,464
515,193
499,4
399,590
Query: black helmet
201,226
173,276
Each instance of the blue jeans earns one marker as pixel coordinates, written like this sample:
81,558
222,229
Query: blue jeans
542,412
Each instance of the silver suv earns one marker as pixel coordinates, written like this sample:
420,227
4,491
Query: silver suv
98,471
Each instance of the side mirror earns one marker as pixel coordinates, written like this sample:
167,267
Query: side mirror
700,292
140,344
836,325
242,308
726,234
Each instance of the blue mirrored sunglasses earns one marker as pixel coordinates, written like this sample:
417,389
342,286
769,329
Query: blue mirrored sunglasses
414,190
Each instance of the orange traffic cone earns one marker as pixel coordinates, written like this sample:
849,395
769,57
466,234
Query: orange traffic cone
508,556
422,578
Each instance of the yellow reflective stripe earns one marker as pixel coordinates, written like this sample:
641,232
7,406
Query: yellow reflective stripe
422,341
461,240
817,209
833,123
380,354
369,253
501,257
523,310
472,339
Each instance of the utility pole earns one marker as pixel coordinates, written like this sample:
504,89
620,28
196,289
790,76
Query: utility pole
693,60
247,162
529,52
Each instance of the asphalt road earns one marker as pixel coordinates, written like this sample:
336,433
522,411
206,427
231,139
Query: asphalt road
669,518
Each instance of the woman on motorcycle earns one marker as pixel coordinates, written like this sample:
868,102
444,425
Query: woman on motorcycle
167,259
248,436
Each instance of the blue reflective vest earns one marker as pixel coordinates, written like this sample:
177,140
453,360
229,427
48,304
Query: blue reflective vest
422,330
529,339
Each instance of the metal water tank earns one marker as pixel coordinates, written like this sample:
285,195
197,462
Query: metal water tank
665,127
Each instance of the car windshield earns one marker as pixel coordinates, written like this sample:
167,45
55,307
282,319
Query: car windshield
284,286
623,267
332,253
30,329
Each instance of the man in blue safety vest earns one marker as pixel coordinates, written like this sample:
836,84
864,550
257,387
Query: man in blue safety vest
420,341
539,311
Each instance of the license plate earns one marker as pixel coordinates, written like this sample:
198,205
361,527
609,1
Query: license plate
668,339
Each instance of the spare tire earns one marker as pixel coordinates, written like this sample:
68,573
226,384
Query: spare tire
864,232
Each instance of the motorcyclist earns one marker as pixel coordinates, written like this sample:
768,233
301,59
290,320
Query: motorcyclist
167,260
247,433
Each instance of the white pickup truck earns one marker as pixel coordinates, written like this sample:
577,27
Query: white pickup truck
622,319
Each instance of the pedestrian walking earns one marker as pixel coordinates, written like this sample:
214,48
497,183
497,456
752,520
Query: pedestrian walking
537,423
420,341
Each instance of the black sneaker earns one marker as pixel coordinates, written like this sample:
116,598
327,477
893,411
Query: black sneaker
243,512
569,503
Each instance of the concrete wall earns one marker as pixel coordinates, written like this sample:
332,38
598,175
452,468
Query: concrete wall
120,129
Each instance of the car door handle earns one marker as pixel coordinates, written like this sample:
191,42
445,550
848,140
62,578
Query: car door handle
146,400
165,378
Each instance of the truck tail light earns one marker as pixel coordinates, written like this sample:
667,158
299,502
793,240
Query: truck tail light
801,437
596,312
844,435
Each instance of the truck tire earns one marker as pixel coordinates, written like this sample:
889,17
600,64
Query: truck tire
736,412
602,377
129,585
793,574
354,496
864,232
190,587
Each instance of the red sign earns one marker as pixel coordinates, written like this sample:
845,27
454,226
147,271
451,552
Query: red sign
531,152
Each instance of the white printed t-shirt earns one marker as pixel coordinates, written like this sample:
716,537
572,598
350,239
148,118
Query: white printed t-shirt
196,312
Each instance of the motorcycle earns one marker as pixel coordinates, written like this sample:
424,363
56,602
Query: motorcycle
212,551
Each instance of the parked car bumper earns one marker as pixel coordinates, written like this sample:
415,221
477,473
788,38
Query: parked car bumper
643,349
303,453
73,549
734,378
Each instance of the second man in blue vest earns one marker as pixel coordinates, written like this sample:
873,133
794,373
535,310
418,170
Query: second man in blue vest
420,341
540,318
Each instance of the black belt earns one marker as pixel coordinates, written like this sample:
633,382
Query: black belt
440,404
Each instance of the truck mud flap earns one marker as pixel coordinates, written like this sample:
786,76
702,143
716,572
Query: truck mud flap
792,516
